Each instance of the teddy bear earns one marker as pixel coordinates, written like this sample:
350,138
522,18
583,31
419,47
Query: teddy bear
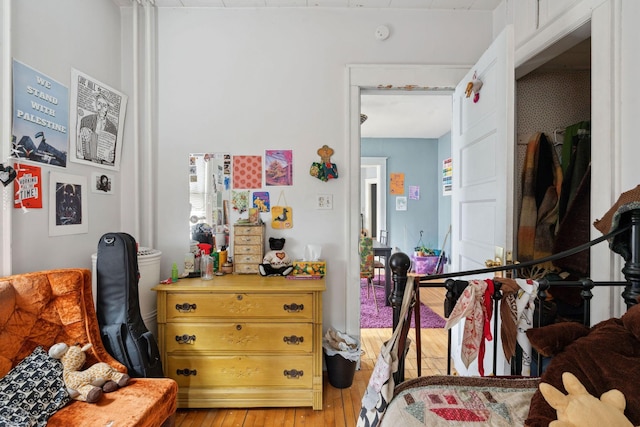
90,384
276,262
580,409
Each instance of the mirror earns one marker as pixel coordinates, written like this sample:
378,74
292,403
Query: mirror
209,196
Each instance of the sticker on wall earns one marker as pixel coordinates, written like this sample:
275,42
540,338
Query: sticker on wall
247,172
396,183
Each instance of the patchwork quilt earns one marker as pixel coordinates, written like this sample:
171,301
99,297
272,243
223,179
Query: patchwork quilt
461,401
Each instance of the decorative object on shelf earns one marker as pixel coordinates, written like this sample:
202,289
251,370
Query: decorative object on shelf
276,262
324,170
281,215
363,118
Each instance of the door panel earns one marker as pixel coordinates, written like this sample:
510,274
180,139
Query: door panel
482,149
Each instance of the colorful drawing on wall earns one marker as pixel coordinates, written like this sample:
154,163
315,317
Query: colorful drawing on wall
97,122
247,172
240,201
261,201
40,117
414,192
396,183
401,203
27,186
67,204
278,167
447,177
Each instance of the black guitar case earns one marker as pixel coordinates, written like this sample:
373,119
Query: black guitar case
123,331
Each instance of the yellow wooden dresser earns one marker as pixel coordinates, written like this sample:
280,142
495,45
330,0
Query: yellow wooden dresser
243,341
248,247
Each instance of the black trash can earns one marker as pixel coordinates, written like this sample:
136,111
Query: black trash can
340,370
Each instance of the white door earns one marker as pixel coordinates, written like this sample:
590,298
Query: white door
482,150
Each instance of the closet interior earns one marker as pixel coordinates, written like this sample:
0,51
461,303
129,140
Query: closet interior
553,182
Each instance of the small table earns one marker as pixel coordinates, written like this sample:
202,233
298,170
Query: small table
383,250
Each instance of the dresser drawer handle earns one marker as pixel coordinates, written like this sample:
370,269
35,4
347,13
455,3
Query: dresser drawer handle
292,308
293,373
293,340
186,372
238,327
185,339
239,297
185,307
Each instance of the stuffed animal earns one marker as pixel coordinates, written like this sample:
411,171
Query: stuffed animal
87,385
580,409
276,262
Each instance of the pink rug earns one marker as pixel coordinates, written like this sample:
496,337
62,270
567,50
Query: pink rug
384,317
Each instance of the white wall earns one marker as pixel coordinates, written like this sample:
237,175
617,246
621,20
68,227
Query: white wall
244,80
54,37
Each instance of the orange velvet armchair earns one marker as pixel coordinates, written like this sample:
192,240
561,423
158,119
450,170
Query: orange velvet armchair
43,308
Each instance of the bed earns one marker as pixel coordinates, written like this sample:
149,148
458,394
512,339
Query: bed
603,356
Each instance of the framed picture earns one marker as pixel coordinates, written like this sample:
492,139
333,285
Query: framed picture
67,204
97,122
401,203
102,183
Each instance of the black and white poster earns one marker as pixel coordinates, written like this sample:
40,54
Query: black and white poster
97,122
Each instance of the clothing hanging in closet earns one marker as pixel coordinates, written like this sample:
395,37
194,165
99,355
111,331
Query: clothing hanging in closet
575,199
541,185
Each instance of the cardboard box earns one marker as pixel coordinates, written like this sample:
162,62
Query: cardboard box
309,268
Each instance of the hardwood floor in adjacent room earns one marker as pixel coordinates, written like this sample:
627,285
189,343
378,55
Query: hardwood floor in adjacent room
340,406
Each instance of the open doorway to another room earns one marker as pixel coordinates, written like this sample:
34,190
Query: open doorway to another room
404,133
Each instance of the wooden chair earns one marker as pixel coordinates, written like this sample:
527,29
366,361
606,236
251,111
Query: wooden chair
380,262
365,249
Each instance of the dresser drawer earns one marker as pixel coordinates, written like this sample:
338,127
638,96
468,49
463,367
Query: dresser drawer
242,268
241,250
248,259
241,371
239,337
248,240
239,306
248,231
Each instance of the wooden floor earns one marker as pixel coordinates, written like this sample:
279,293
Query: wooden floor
340,406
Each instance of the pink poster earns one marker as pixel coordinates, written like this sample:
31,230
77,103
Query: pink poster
247,172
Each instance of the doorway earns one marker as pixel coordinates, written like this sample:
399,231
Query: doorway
371,77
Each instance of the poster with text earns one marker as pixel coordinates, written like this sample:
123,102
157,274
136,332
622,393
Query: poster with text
27,186
447,176
97,122
396,183
40,117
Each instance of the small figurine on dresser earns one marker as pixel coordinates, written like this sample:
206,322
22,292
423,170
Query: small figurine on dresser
276,262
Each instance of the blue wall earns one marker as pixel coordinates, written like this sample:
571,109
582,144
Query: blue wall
420,161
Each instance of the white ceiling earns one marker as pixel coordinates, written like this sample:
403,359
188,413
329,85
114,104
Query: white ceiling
407,115
377,4
412,115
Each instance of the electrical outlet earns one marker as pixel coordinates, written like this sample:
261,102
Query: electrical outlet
324,201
